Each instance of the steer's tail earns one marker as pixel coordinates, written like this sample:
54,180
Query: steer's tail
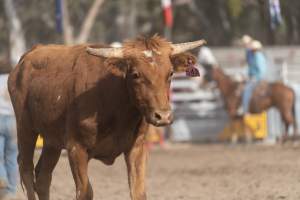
18,88
294,111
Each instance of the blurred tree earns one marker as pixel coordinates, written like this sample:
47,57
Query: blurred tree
17,45
86,25
235,8
290,10
220,22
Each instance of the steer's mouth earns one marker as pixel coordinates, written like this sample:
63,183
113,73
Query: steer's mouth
160,117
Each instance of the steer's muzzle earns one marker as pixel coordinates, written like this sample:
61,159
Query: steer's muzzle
161,117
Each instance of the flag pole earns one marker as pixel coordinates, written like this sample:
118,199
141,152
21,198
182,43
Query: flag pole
168,18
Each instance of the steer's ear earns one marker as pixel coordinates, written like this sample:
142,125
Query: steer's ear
118,66
182,61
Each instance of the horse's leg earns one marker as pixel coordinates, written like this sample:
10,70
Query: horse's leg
286,117
234,138
233,132
43,171
288,120
286,132
295,125
248,134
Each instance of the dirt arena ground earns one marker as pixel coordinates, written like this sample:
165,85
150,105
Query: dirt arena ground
196,172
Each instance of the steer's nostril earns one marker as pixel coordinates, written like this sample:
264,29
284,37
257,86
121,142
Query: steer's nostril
157,116
161,117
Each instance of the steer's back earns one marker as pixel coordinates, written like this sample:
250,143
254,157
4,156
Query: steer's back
42,84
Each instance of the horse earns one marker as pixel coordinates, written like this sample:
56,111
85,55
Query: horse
264,96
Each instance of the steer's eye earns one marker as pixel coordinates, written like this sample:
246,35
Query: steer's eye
170,75
135,75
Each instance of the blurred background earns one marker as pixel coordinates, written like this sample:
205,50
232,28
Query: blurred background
199,111
221,22
226,173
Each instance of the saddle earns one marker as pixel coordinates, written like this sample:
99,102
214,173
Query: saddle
262,89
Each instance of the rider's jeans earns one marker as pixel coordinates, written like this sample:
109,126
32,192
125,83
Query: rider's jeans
249,87
8,154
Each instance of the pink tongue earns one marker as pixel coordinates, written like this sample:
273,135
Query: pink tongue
192,71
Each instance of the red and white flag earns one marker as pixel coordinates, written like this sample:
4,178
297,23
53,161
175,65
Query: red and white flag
168,15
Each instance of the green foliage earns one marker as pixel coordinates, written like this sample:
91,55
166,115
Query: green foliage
234,7
218,21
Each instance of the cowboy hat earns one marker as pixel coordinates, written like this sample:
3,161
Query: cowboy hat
255,45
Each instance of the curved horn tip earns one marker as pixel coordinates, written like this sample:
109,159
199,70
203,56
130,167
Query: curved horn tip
201,42
182,47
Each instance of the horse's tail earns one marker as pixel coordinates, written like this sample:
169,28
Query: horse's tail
295,125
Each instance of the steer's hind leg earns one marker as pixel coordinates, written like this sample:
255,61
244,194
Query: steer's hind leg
26,145
78,158
44,169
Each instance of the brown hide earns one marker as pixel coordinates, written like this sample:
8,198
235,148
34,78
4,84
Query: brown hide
230,90
94,107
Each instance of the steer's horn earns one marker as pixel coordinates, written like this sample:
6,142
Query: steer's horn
182,47
116,52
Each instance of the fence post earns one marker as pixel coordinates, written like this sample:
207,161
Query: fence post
284,72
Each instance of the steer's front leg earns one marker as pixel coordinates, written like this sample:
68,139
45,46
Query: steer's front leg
78,158
136,166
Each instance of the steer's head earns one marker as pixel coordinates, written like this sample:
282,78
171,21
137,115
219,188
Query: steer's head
148,65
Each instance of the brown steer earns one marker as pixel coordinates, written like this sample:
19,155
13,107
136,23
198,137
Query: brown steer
95,102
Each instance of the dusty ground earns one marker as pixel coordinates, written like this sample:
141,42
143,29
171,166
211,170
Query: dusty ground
208,172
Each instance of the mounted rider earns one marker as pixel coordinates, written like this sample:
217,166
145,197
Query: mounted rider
257,67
